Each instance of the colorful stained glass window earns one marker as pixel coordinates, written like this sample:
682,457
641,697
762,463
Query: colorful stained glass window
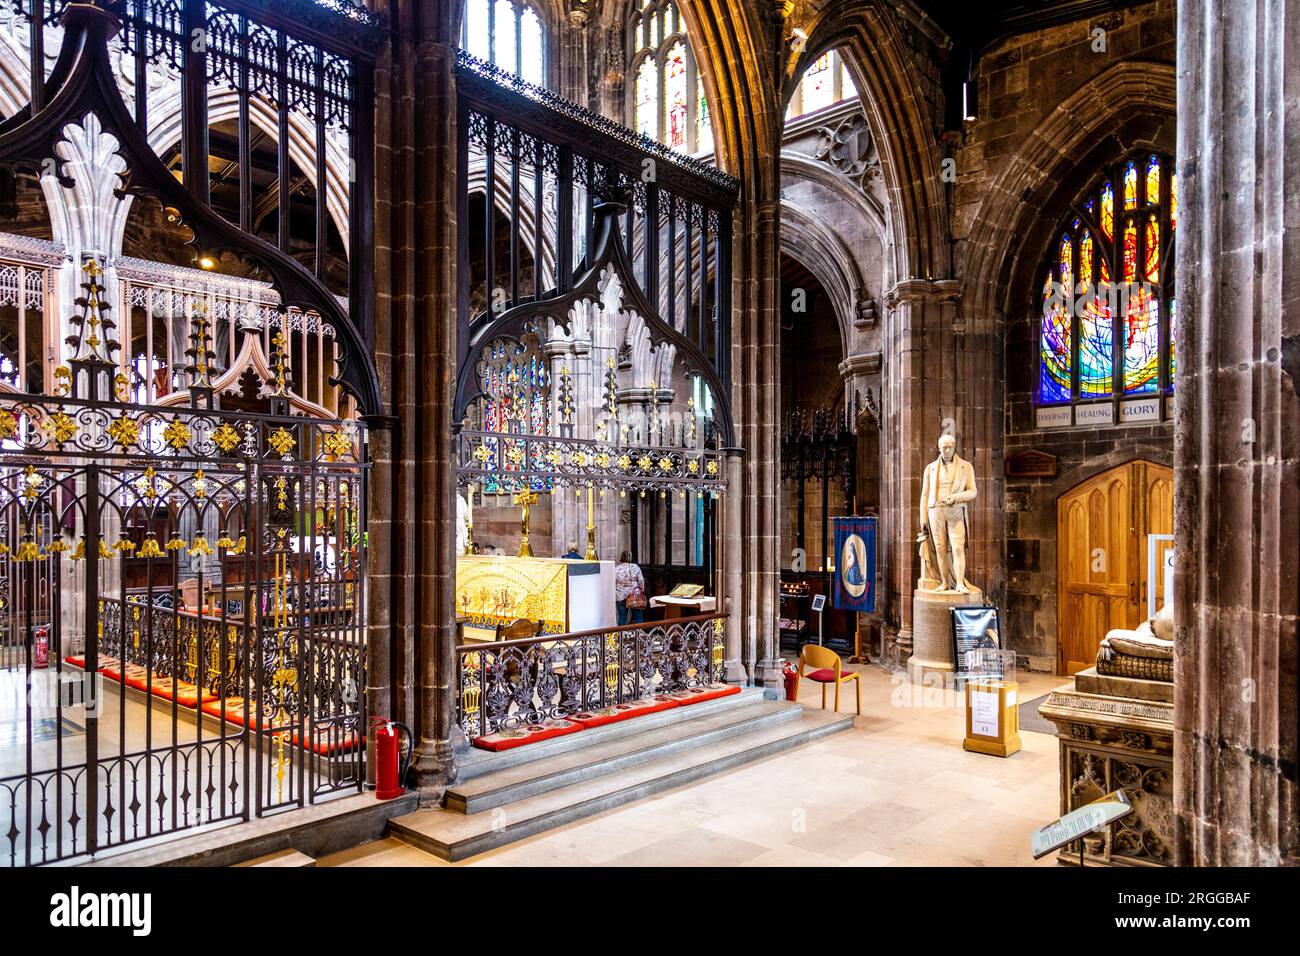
1130,251
1142,344
1173,353
1151,252
1173,202
507,33
1108,337
667,100
1153,180
1055,347
515,381
1096,364
676,101
1130,185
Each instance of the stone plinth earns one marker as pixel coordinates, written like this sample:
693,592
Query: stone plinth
1108,742
932,631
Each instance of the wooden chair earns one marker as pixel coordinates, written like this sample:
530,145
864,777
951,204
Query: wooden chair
829,669
519,629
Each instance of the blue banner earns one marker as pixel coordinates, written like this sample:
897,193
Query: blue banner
855,563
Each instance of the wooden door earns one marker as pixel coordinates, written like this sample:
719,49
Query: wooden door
1102,527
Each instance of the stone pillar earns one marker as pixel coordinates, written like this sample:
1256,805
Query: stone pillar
920,403
739,659
574,61
1236,426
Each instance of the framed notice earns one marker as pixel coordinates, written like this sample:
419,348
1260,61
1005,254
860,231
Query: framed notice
819,602
974,627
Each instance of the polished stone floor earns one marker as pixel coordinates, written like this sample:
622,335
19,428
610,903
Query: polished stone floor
896,790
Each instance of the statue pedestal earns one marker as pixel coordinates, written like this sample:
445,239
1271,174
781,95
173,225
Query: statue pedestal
932,632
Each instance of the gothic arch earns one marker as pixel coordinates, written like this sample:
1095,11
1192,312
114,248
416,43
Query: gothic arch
1000,248
824,254
902,123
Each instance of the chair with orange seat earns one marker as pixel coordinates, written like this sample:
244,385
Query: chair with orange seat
829,669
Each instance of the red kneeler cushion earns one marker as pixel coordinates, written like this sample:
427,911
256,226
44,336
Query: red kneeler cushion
185,693
526,734
612,715
696,695
823,676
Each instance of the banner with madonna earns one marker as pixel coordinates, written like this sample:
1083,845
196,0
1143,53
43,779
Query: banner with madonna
855,563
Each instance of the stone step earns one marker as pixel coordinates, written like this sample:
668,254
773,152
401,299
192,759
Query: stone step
530,779
477,763
282,858
451,835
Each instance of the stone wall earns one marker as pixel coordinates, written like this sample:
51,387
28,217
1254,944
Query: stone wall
1022,84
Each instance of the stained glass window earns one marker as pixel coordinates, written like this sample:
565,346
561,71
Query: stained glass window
825,82
507,33
1096,340
667,101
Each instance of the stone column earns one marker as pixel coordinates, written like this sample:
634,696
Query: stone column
739,653
574,61
1236,426
920,403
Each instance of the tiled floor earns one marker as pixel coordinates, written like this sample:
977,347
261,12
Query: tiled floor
896,790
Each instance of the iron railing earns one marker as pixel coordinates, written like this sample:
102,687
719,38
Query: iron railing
504,684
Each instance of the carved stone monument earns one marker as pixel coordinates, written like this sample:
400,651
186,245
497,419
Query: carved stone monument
946,488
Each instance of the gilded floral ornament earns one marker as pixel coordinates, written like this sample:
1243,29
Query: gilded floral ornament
281,441
176,434
516,455
579,459
60,428
125,431
624,462
8,425
712,466
32,483
226,438
665,464
338,444
602,460
693,466
644,462
482,454
554,458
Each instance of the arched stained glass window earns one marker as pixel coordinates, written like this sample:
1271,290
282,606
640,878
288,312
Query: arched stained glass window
1096,339
666,96
826,82
507,33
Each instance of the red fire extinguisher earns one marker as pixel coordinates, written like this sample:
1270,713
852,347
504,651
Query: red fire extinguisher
791,674
389,774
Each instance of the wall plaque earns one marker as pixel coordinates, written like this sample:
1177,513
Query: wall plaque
1031,464
1140,410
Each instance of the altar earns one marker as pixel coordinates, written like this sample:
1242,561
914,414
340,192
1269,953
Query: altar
563,594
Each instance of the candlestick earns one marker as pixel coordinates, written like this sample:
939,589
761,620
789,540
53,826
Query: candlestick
591,524
469,520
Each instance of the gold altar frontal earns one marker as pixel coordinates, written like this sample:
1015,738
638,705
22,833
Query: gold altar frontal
495,589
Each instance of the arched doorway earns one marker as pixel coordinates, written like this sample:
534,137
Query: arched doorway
1103,526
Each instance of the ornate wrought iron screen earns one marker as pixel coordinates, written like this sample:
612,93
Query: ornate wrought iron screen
508,683
182,580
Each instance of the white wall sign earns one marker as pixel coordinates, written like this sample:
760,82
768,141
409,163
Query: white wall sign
1140,410
1100,414
1055,416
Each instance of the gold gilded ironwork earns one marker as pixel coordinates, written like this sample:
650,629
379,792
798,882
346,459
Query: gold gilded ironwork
591,554
226,438
176,434
281,441
124,430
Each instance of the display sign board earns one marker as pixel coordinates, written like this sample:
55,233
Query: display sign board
855,563
819,602
973,626
1079,823
992,717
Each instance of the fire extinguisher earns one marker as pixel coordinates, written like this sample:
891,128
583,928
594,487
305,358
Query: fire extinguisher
791,674
389,774
41,647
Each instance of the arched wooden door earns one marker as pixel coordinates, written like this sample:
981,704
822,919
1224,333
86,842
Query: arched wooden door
1101,535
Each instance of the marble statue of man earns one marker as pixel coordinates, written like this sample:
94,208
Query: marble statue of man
948,484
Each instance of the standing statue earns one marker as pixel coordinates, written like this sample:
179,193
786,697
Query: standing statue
948,484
